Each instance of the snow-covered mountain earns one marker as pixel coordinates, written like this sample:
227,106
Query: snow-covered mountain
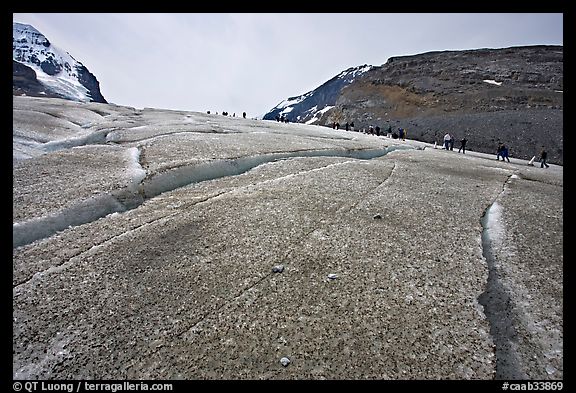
55,72
307,108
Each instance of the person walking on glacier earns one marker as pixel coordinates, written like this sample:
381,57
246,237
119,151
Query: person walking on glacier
447,139
463,145
543,157
504,152
499,151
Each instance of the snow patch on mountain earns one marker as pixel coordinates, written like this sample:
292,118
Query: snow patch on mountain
318,114
357,71
492,82
290,102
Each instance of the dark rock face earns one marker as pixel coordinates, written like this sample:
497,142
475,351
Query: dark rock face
50,66
89,81
24,82
513,95
24,75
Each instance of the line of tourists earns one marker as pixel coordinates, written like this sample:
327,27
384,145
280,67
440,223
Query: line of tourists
400,133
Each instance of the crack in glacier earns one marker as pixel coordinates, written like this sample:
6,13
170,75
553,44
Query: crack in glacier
184,175
349,207
496,298
94,138
134,195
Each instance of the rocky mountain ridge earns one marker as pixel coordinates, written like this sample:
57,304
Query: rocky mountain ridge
513,95
308,107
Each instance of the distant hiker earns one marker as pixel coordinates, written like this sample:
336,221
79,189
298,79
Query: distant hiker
404,133
499,151
277,117
401,133
352,126
371,130
337,125
543,157
389,131
377,131
451,142
463,145
244,114
394,135
504,153
447,138
208,112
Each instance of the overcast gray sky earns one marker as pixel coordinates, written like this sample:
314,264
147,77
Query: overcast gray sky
252,62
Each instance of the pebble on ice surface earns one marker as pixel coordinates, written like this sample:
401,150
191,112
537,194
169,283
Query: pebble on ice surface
285,361
332,276
278,269
377,217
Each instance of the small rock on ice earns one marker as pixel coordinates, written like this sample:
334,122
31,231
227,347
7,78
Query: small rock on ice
278,269
332,276
285,361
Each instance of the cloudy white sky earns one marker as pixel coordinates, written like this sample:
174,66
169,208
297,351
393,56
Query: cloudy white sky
251,62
